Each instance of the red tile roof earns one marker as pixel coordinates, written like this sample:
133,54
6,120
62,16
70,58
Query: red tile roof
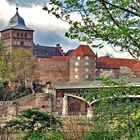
114,63
83,50
136,67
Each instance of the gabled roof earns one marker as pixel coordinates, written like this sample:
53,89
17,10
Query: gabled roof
83,50
46,51
114,63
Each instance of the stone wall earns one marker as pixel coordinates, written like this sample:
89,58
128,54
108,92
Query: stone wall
43,101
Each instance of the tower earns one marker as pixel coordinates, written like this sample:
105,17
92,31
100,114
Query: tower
82,64
17,34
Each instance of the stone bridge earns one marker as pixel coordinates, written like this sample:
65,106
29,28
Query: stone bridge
79,92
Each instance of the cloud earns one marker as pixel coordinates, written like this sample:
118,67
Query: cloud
48,30
51,37
27,3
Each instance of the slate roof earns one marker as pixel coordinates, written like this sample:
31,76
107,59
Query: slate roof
83,50
46,51
17,22
68,53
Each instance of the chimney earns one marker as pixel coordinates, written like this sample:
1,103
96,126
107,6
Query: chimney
60,49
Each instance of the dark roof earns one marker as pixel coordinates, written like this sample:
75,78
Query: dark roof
17,22
69,52
46,51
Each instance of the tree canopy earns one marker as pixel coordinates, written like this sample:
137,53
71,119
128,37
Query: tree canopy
23,65
36,124
116,22
18,69
117,113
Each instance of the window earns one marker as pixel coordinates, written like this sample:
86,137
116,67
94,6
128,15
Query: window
76,63
17,34
21,34
78,57
86,57
76,76
86,76
21,43
76,69
25,35
86,69
86,63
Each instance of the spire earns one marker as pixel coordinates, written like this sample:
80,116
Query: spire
16,8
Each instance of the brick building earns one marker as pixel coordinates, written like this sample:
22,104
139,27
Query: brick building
56,66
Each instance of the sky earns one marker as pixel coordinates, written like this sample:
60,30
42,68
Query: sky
49,30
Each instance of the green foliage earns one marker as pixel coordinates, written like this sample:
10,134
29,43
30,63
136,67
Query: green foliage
5,71
35,136
15,68
135,138
31,120
102,135
116,113
21,68
42,136
36,124
115,22
7,94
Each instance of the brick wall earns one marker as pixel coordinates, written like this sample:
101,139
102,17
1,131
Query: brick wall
17,38
53,69
81,69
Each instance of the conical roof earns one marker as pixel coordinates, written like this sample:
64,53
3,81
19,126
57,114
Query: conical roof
17,22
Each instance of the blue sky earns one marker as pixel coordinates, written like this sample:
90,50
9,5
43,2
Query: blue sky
49,31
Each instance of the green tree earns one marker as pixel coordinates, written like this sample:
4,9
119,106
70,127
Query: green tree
116,112
17,71
5,71
115,22
23,66
35,124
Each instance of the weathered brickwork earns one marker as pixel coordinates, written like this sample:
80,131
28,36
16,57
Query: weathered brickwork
54,69
81,69
15,39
